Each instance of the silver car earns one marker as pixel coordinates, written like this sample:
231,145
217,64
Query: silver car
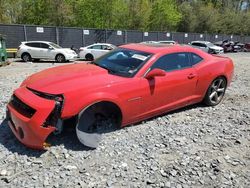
207,47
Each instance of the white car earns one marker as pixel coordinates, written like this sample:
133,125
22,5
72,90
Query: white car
159,42
207,47
167,42
149,42
94,51
44,50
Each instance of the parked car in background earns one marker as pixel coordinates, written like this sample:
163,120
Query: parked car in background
247,47
168,42
239,47
207,47
230,46
149,42
94,51
159,42
44,50
131,83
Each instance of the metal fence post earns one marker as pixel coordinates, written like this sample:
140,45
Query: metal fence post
25,32
83,38
57,36
125,37
106,33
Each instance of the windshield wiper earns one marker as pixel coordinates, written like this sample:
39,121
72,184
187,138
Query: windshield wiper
104,67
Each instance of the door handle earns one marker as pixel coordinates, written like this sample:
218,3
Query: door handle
191,75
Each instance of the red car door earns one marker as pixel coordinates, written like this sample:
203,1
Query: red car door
175,89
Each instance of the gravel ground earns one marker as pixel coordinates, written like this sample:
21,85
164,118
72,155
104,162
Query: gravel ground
196,146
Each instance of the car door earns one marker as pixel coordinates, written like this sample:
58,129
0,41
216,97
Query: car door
96,50
175,89
33,49
45,51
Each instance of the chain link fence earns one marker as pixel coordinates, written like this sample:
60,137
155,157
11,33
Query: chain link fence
78,37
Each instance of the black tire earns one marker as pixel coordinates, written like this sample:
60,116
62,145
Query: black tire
215,91
26,57
89,57
60,58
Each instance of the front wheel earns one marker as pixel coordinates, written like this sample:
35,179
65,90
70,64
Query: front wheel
215,92
60,58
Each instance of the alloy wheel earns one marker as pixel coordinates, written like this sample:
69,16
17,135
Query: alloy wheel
217,90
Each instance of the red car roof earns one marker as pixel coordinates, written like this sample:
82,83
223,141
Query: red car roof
154,48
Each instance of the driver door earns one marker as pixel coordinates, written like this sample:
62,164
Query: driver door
173,90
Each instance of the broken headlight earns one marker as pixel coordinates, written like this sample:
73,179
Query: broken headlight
54,117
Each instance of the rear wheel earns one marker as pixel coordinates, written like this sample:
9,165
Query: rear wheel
97,119
89,57
215,91
26,57
60,58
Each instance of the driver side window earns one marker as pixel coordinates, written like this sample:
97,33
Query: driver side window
172,62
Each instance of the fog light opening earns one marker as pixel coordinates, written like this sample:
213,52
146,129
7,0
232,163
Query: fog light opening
20,132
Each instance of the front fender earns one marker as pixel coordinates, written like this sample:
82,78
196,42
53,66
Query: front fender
74,106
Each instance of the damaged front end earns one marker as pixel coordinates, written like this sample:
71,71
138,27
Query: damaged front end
33,115
54,119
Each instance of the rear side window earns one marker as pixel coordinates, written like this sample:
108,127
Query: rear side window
43,45
196,44
172,62
33,44
105,47
195,59
99,47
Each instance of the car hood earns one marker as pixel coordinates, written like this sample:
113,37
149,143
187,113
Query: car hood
63,79
216,48
65,50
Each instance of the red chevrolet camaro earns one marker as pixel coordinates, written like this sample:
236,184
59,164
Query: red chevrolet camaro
131,83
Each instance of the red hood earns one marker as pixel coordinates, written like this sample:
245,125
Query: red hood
62,79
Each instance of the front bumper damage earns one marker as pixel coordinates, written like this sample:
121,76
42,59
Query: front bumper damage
32,116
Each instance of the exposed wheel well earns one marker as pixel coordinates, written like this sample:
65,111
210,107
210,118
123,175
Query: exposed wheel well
106,107
110,106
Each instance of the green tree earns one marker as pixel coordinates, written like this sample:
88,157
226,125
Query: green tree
164,15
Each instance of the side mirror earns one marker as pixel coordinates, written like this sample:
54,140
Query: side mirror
51,48
155,72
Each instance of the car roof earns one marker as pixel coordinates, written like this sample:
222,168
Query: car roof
155,48
102,44
166,41
203,42
36,41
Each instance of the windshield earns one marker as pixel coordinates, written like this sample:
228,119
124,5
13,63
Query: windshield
123,62
209,44
54,45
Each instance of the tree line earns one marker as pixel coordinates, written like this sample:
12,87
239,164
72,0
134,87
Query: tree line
200,16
